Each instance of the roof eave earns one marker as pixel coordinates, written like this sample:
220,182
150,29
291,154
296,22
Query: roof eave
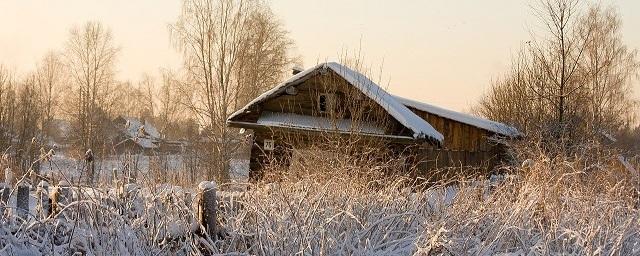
250,125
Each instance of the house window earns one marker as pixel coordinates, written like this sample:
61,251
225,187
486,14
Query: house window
325,102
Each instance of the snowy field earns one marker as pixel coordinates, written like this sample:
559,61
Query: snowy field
74,169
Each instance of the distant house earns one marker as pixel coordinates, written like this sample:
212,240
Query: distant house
136,136
142,137
331,98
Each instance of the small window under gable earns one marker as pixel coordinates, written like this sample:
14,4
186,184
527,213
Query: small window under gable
325,102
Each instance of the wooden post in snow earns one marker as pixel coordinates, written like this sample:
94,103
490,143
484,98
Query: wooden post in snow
8,176
44,203
55,198
66,195
22,199
207,207
188,200
60,196
88,157
115,177
4,196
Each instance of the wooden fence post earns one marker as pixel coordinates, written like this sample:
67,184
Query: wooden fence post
8,176
4,196
207,206
188,199
44,203
65,192
115,178
88,157
22,199
60,196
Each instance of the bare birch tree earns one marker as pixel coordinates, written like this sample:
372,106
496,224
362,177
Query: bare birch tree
7,107
147,87
169,107
607,68
216,40
572,83
91,56
264,58
28,115
559,55
6,98
51,80
20,113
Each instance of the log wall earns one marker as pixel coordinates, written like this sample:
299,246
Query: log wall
458,136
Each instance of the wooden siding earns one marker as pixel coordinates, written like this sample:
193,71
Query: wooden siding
349,103
458,136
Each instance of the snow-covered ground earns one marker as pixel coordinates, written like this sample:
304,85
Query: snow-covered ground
73,169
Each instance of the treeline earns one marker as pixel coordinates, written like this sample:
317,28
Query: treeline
572,82
232,52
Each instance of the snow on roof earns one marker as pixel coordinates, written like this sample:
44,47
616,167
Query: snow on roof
151,130
482,123
133,125
419,127
316,123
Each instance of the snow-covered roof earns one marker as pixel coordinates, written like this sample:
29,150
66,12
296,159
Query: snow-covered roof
498,128
291,120
133,125
133,131
420,127
150,129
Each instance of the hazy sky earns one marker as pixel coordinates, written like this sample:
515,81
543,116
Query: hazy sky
438,51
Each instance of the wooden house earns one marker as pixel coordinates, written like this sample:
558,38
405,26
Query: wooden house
330,98
135,136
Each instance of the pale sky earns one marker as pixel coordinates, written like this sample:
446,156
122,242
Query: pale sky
437,51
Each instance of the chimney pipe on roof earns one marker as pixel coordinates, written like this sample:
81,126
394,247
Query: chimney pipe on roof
297,69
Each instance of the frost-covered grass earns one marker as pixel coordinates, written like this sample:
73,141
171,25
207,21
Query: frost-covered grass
103,222
581,205
552,206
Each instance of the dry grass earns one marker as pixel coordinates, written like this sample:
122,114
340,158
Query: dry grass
560,205
581,204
